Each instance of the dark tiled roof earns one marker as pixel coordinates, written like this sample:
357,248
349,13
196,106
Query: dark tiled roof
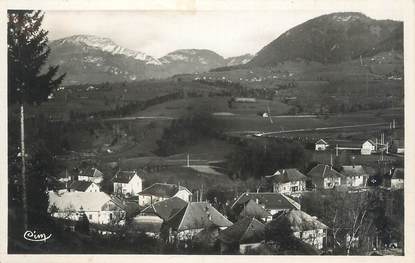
301,221
246,230
288,175
162,190
123,177
269,200
251,209
166,208
323,171
90,172
398,173
352,171
79,185
198,215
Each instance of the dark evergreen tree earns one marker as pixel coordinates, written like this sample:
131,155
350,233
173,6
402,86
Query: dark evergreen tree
28,81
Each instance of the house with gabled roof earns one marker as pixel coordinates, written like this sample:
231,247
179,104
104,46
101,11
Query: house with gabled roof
368,147
252,208
355,175
127,183
194,218
395,178
162,191
99,207
324,176
166,208
82,186
306,227
321,145
272,203
288,181
242,236
91,175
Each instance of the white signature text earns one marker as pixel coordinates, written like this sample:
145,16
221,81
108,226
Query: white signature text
36,237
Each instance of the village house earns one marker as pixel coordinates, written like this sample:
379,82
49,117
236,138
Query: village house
91,175
288,181
99,207
152,217
306,227
368,147
194,218
244,235
321,145
395,179
355,175
323,176
273,203
127,183
82,186
162,191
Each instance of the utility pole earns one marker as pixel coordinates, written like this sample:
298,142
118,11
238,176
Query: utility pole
337,150
188,161
23,153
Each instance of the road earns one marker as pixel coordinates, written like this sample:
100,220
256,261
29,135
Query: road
162,118
327,128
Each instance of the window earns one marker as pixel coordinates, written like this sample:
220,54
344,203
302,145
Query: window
90,217
110,216
294,189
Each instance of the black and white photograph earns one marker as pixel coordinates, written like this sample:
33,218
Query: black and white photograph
254,130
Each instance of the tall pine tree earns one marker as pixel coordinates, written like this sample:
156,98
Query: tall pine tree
28,82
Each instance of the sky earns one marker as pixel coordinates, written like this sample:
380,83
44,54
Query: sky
229,33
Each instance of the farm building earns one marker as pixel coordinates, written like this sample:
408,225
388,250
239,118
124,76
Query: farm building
321,145
355,175
368,147
272,203
82,186
127,183
99,207
194,218
161,191
242,236
306,227
323,176
288,181
91,175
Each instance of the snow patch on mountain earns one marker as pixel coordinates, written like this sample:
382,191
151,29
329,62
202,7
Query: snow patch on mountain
107,45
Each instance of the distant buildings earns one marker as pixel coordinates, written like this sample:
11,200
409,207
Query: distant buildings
127,183
288,181
161,191
99,207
